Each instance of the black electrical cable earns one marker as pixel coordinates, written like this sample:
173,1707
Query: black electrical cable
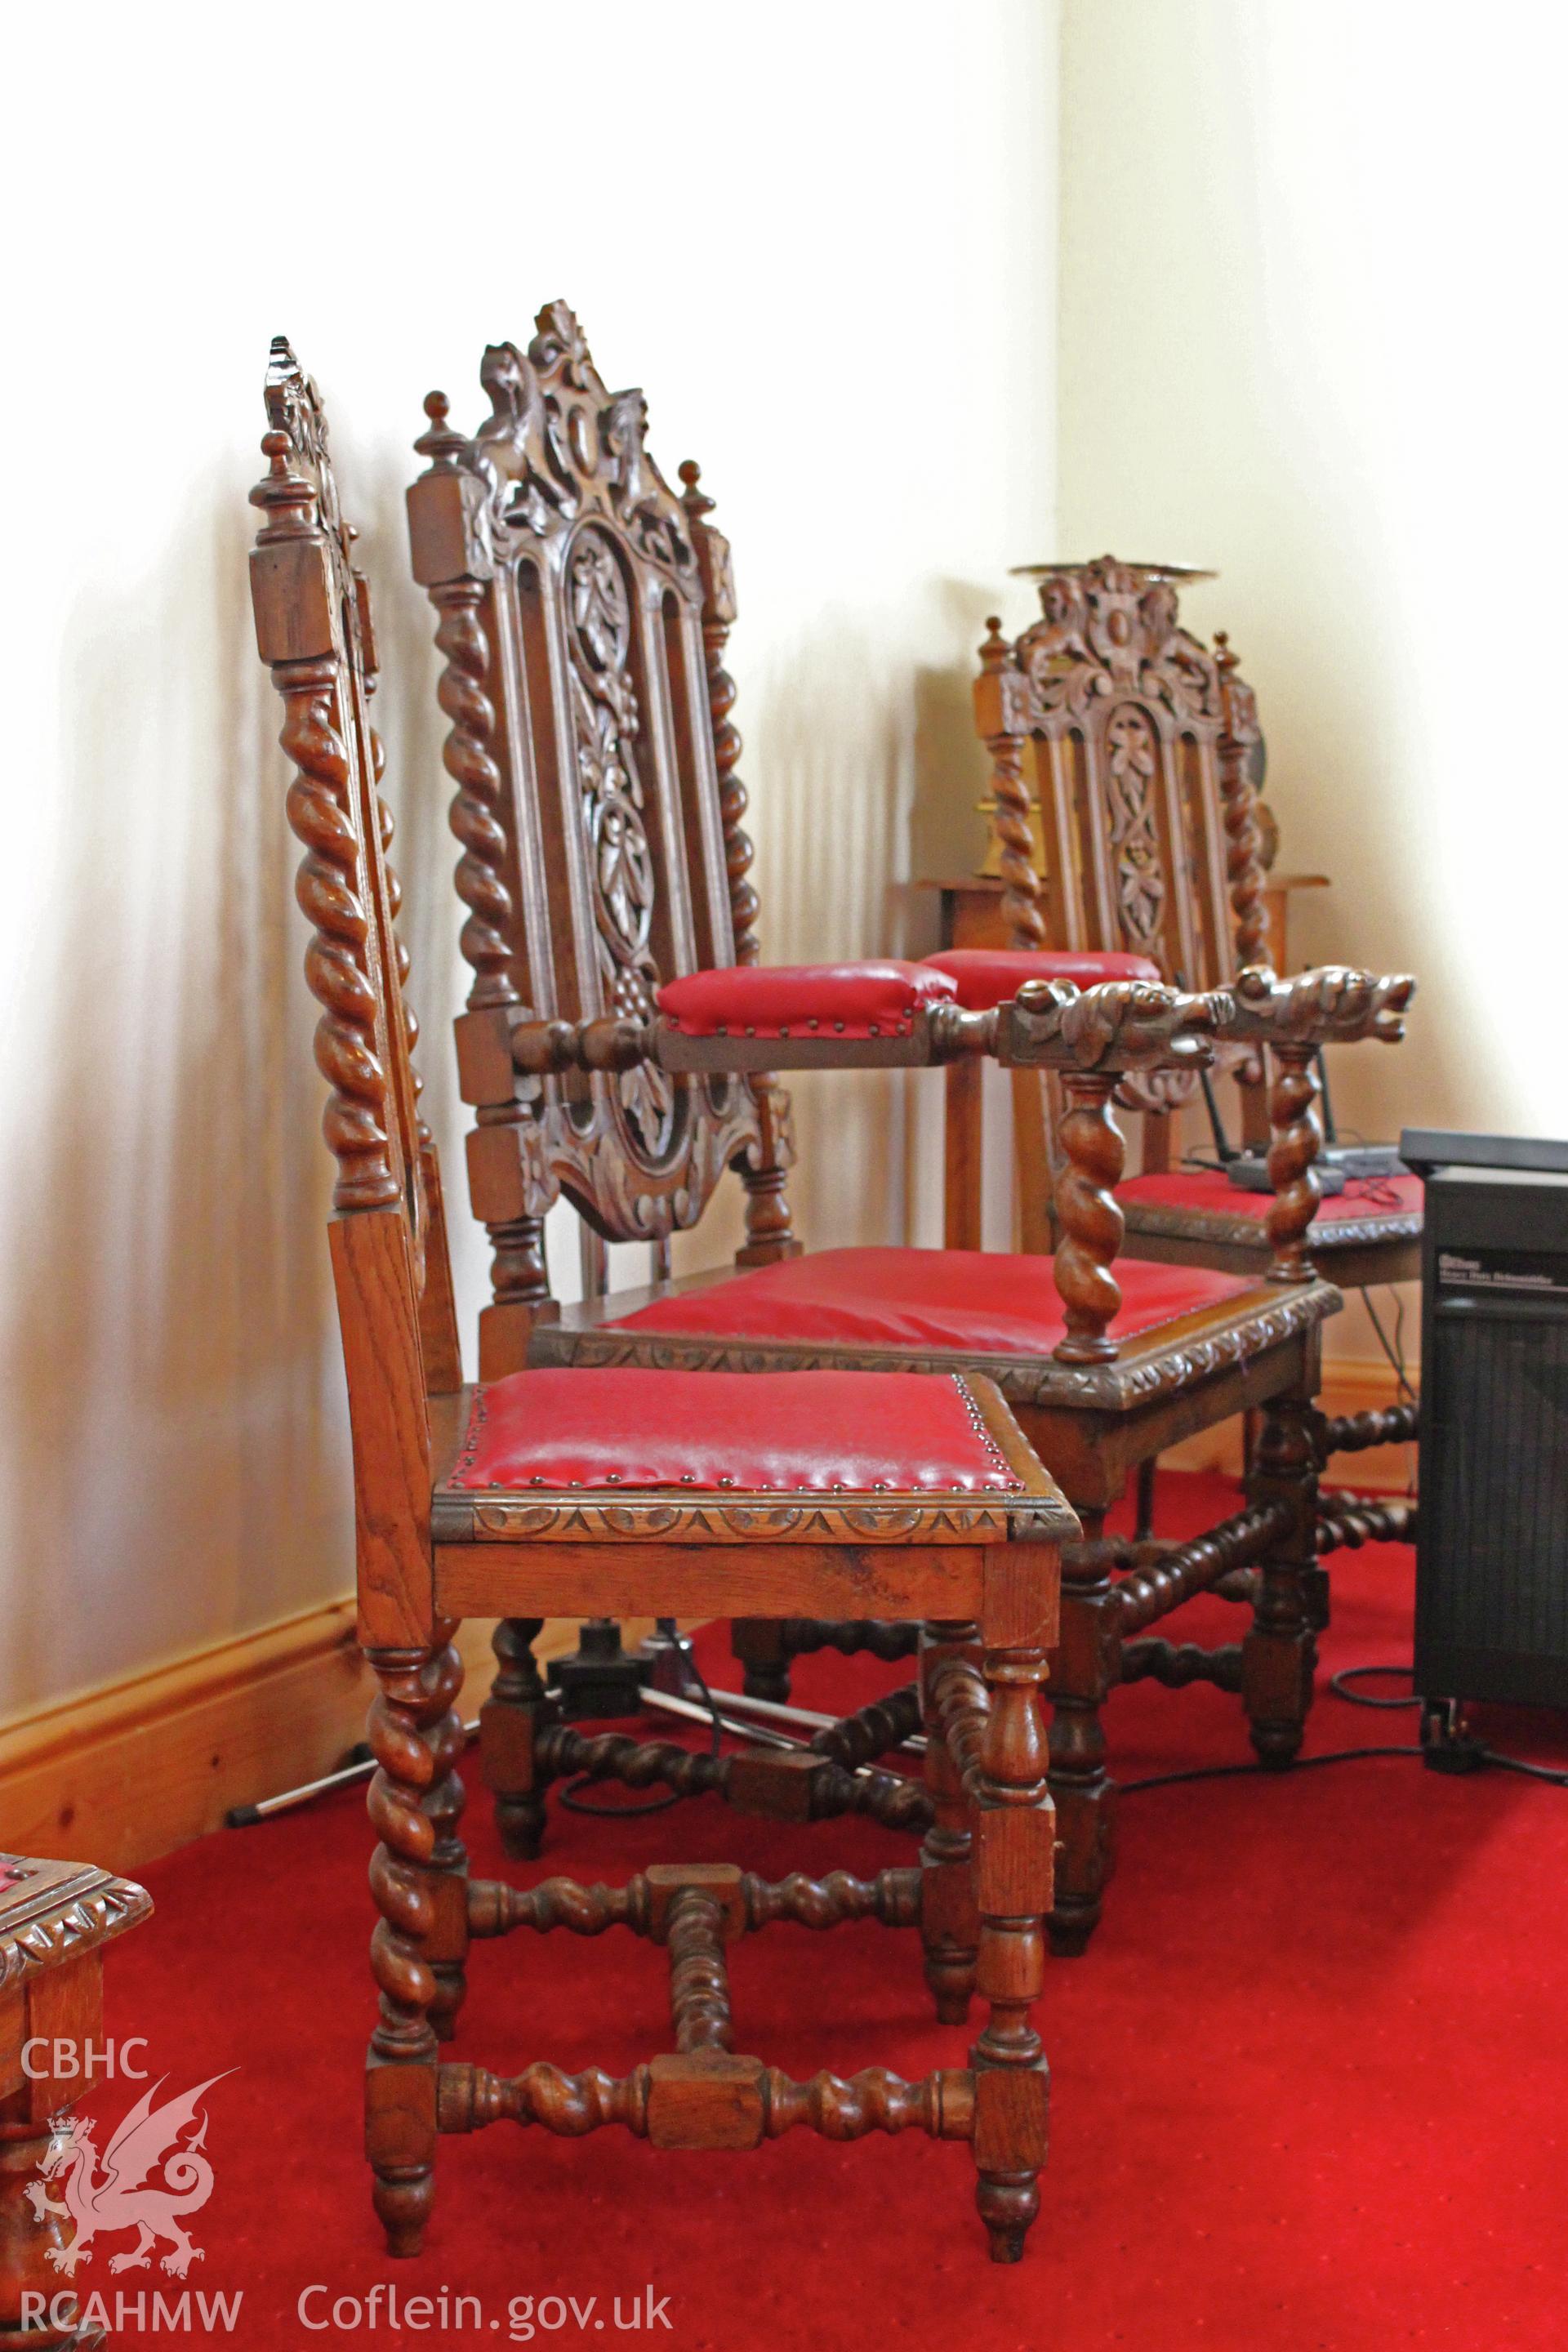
1517,1764
572,1801
1486,1755
1337,1683
1363,1698
1394,1350
1247,1771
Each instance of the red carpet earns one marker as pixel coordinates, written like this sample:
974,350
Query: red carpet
1309,2082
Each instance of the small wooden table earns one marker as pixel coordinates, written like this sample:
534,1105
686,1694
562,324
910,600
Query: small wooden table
55,1919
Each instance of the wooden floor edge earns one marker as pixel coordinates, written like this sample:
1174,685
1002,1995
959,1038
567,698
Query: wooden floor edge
140,1767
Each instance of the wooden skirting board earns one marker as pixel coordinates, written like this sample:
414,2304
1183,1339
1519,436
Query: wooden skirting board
132,1770
135,1769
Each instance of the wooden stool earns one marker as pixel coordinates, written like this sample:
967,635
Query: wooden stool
55,1919
626,1492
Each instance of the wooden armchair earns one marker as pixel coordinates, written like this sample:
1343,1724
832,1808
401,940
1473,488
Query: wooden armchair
621,1045
1136,749
627,1491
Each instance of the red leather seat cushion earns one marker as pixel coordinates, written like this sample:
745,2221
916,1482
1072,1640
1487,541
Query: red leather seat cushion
842,1000
785,1433
979,1302
1210,1190
988,976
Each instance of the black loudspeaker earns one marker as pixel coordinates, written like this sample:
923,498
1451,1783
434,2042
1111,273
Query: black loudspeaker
1491,1551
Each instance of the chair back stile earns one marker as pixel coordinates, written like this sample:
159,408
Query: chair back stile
583,612
388,1237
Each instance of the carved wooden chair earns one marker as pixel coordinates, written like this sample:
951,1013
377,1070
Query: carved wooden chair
584,614
1137,751
625,1491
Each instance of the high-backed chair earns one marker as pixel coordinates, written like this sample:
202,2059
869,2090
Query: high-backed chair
1137,746
1138,750
625,1491
584,614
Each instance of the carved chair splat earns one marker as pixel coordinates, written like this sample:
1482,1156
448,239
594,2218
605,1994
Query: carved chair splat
1102,1369
634,1491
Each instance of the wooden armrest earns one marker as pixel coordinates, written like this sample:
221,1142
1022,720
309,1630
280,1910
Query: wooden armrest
499,1046
1050,1024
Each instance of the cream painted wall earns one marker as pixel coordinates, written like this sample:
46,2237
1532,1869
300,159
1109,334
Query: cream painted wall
1310,333
825,240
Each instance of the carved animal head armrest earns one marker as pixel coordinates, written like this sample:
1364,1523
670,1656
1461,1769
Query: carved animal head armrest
1329,1006
1124,1024
1332,1006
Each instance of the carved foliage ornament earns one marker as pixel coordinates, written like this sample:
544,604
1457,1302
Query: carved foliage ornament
557,442
605,723
1132,771
1109,628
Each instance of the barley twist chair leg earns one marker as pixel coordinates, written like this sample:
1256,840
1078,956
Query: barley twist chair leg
1279,1652
950,1924
1015,1831
1084,1796
400,2082
448,1950
518,1705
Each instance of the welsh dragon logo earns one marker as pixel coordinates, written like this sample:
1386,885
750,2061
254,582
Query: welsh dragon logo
119,2193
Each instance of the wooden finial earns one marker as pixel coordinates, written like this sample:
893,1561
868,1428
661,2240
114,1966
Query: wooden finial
996,653
440,442
696,502
283,493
